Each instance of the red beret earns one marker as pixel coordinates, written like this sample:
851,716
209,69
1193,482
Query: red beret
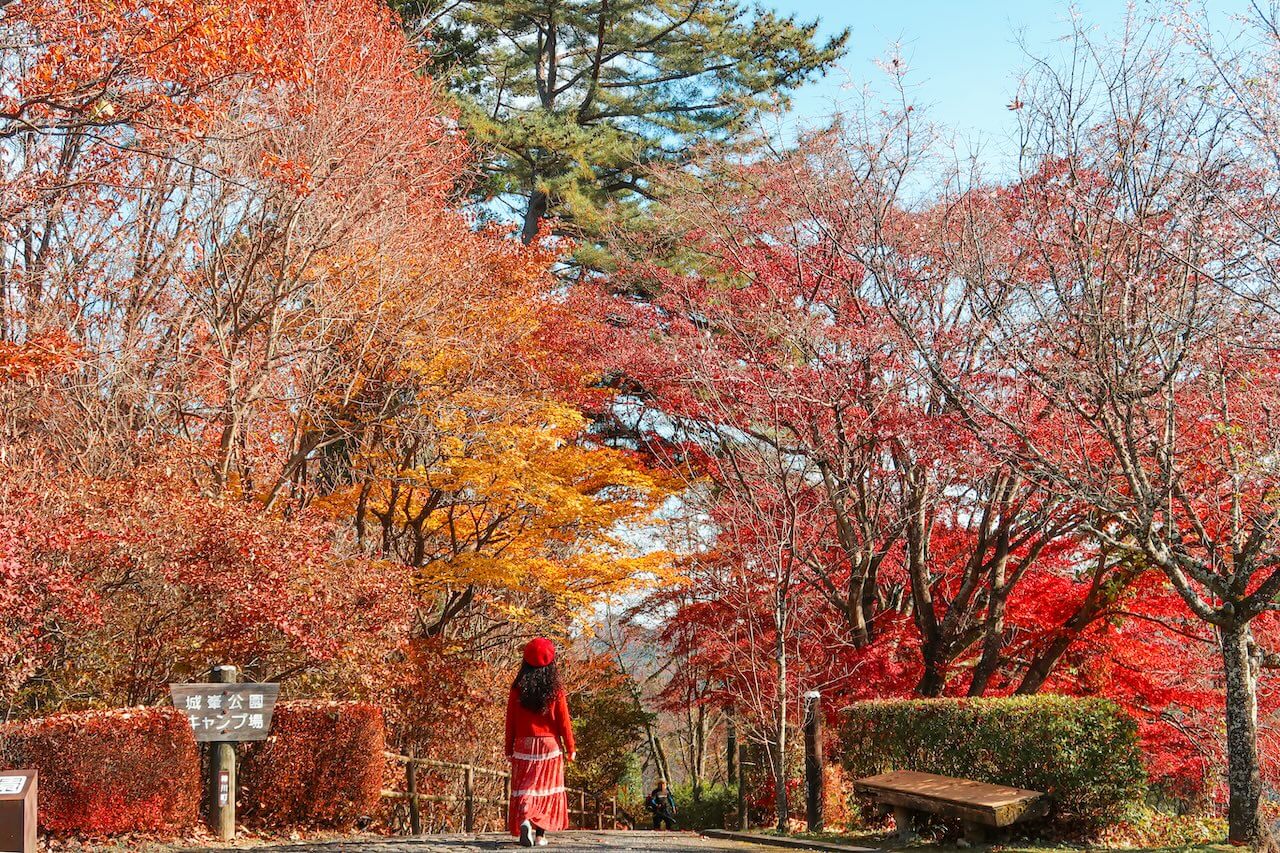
539,652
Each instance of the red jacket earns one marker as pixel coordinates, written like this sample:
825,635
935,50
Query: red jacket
553,722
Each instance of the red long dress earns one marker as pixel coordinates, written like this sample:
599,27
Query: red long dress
534,747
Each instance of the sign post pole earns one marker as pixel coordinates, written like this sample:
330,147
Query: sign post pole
222,714
222,773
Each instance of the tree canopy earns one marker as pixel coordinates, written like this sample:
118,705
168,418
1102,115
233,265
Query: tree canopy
575,102
281,386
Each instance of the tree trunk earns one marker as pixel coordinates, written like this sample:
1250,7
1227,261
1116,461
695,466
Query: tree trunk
992,644
731,746
780,737
933,679
1244,814
533,215
699,751
781,805
1040,668
659,755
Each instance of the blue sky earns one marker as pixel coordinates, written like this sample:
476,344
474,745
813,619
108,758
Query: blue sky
963,55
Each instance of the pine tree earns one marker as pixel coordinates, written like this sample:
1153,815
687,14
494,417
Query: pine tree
577,99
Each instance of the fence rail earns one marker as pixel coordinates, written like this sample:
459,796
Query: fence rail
603,814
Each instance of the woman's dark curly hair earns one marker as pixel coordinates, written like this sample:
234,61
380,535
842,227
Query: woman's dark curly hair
537,686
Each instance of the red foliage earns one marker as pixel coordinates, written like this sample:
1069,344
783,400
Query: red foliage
437,688
250,580
110,772
322,766
888,545
37,598
35,595
177,579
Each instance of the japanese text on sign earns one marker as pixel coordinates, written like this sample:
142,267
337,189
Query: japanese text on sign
226,712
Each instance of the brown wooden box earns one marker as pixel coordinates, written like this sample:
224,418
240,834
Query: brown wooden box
18,811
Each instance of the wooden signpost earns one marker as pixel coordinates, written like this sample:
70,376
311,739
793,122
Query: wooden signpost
222,714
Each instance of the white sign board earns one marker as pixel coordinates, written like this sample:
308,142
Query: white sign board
12,784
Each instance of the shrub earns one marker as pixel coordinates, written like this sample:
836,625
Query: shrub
1152,828
110,772
322,766
1083,753
710,811
761,793
837,800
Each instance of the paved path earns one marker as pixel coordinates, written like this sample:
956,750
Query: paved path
651,842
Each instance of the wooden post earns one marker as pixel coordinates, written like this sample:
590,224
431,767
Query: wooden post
902,820
468,799
744,820
582,809
222,773
613,812
599,809
411,786
813,763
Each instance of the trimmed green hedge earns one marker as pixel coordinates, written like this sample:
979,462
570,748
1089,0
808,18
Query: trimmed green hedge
1081,752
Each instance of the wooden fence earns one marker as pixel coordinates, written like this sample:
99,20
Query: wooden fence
479,798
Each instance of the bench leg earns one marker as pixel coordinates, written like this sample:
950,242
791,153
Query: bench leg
974,833
902,819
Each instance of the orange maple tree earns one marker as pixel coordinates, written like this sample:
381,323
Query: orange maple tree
282,402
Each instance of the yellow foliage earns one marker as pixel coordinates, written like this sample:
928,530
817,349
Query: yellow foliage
482,481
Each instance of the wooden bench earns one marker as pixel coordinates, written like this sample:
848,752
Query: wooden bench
977,805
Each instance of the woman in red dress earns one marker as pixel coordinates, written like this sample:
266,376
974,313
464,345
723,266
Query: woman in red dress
539,737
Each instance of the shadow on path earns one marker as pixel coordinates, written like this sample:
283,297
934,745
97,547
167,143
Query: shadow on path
582,840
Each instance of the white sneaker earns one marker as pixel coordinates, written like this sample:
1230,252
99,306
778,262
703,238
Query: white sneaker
542,841
526,834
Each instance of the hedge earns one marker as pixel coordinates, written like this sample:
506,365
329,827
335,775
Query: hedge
322,766
1083,753
110,772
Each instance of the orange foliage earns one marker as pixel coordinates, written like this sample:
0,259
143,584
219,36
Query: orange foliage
282,403
149,65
